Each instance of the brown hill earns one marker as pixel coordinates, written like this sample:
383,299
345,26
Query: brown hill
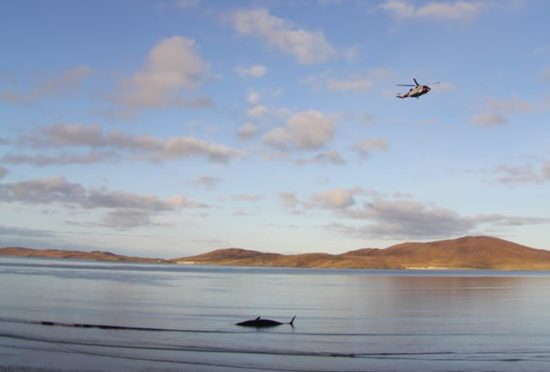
475,252
230,256
76,255
464,253
479,252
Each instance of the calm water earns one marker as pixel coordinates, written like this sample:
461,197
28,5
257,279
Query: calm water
178,318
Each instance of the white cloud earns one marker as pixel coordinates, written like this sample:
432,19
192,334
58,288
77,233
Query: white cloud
118,203
253,71
366,147
257,111
60,86
101,198
43,191
509,174
408,219
448,10
183,147
173,67
66,135
290,201
59,190
247,130
496,111
245,197
335,199
308,47
92,136
486,119
511,105
516,174
253,97
306,130
75,135
405,219
501,220
397,217
331,157
207,181
42,160
66,82
125,219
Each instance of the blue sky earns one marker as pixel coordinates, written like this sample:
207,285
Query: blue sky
169,128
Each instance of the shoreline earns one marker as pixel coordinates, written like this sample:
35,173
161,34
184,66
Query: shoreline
323,267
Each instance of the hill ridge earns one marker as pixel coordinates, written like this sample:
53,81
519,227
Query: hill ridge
95,255
469,252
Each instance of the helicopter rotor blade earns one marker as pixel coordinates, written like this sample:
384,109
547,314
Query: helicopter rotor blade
405,85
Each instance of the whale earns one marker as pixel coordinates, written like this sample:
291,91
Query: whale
264,323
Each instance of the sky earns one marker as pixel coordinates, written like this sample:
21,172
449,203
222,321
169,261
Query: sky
174,127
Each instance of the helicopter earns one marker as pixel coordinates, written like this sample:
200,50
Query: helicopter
416,91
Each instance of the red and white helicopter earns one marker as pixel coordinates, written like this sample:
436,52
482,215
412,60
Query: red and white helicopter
416,91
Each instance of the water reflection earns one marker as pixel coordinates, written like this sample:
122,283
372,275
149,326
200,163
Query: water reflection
343,317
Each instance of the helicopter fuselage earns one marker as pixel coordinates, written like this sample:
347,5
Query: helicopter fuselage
419,90
416,91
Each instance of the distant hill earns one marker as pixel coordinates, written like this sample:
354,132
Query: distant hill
473,252
480,252
76,255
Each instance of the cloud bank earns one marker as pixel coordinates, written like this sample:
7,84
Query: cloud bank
448,10
138,209
306,130
111,145
173,67
59,86
307,47
396,218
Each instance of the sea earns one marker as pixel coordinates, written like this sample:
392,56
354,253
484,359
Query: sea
62,315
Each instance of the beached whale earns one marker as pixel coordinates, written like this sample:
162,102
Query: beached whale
264,323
